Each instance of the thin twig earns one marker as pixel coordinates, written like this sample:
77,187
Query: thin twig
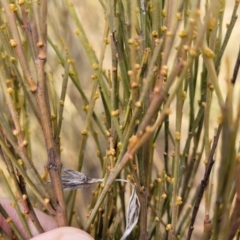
236,68
204,182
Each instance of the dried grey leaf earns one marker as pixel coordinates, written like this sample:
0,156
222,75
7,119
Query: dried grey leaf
72,180
76,180
133,214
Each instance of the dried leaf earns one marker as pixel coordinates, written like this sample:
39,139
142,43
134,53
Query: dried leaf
72,180
76,180
133,214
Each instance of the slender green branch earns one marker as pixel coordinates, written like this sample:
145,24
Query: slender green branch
22,218
62,101
11,223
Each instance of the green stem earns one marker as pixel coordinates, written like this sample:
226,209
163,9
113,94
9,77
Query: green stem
11,224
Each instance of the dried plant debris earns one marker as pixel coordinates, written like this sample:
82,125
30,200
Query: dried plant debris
72,180
133,214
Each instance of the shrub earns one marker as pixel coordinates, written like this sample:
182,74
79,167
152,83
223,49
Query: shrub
147,106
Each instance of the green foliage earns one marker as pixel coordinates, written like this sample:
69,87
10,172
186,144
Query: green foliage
147,101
